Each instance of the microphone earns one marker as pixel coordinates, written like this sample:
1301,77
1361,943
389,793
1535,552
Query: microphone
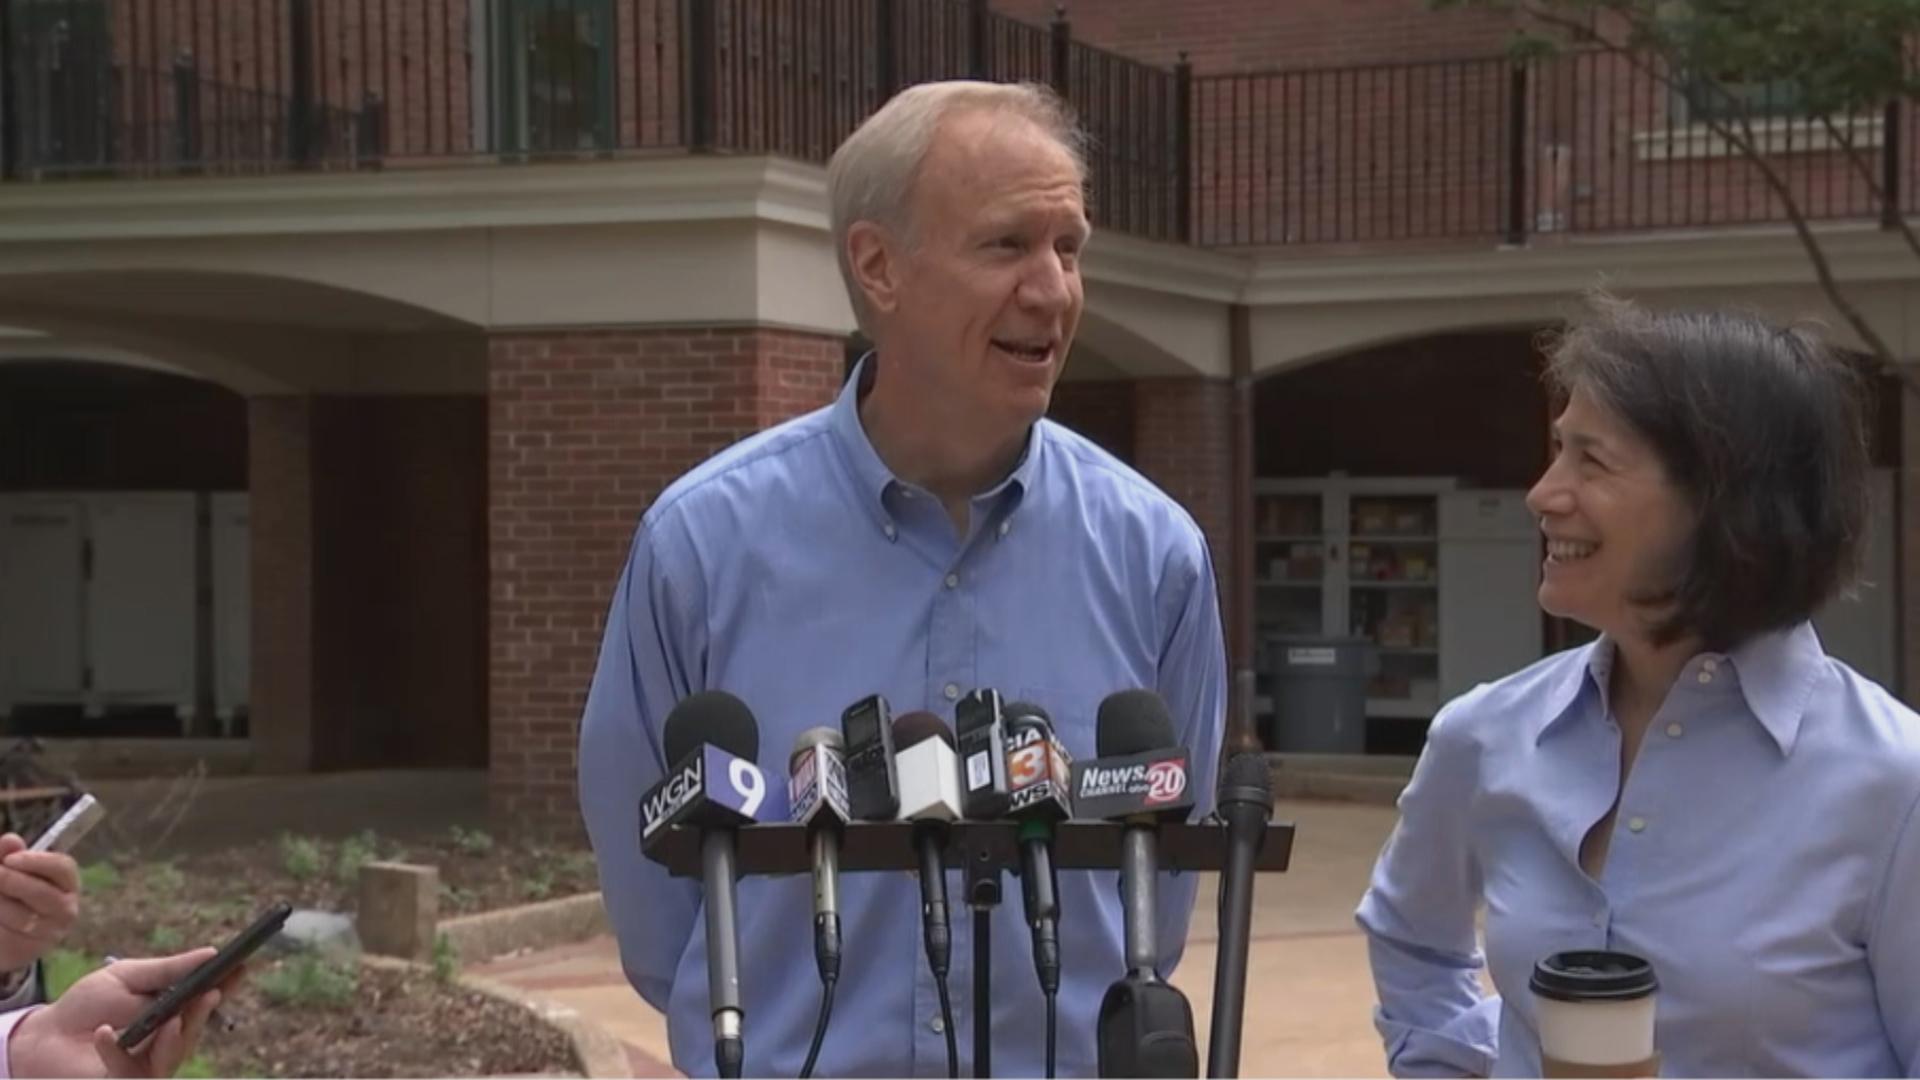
1245,804
929,777
817,799
983,797
715,787
1038,774
1145,1027
983,753
873,784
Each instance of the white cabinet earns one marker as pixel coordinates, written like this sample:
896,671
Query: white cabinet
1440,579
1489,578
42,600
97,600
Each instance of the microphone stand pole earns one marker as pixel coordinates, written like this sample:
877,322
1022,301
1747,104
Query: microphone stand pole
983,894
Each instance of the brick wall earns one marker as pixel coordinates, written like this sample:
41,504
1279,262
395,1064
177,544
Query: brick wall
1101,410
586,428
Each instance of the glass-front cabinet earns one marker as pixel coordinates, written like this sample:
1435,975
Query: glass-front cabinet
1439,578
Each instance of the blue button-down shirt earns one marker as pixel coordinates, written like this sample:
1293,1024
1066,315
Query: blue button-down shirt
1765,857
796,572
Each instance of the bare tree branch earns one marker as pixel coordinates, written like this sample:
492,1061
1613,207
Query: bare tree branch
1747,144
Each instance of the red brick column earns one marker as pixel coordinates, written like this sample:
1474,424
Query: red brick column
1183,435
586,427
1101,410
1183,441
280,530
1908,557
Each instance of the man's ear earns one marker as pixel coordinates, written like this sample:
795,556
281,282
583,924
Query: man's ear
876,266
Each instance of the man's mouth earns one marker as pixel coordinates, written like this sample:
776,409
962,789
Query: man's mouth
1026,351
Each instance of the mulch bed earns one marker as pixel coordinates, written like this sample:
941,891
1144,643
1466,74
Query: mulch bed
305,1015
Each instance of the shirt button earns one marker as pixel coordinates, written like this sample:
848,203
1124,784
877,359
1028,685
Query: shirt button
892,533
1711,665
1599,920
938,1025
1674,730
953,581
1706,676
952,691
1638,824
1004,526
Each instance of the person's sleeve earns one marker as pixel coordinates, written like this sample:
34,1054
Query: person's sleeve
9,1023
1893,944
1193,682
1418,913
29,992
651,656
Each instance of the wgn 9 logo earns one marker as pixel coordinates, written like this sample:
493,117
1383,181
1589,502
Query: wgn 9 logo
747,785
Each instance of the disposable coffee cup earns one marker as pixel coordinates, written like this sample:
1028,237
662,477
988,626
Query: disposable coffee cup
1596,1014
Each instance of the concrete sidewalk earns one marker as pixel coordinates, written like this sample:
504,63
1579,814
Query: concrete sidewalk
1309,995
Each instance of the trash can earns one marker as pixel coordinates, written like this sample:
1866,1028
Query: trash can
1319,694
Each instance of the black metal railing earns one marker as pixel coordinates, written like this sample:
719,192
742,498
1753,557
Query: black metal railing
1492,149
133,86
1482,150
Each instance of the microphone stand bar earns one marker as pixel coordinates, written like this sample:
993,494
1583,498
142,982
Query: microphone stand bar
1078,844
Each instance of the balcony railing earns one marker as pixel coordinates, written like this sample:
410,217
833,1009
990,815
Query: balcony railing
1482,150
1495,150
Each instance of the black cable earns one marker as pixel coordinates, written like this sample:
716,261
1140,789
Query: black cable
820,1027
946,1019
1050,1033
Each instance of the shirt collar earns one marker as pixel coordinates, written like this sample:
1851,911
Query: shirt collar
871,476
1777,673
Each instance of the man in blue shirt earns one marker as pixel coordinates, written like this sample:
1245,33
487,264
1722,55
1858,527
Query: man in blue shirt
926,534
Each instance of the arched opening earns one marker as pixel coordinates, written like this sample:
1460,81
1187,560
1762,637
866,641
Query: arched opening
124,582
1389,508
288,570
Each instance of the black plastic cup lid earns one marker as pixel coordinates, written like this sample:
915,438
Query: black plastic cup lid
1593,976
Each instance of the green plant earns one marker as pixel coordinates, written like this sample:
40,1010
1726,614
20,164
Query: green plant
62,968
309,979
165,879
472,841
300,856
198,1067
356,852
446,958
539,884
457,898
164,939
99,877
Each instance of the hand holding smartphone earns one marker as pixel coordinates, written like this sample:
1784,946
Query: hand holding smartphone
206,976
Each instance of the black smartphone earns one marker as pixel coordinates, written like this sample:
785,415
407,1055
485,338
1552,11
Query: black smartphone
206,976
873,785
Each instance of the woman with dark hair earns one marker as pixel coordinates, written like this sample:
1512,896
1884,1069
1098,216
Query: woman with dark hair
1703,785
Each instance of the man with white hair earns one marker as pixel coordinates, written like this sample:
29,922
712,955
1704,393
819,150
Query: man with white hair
927,533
